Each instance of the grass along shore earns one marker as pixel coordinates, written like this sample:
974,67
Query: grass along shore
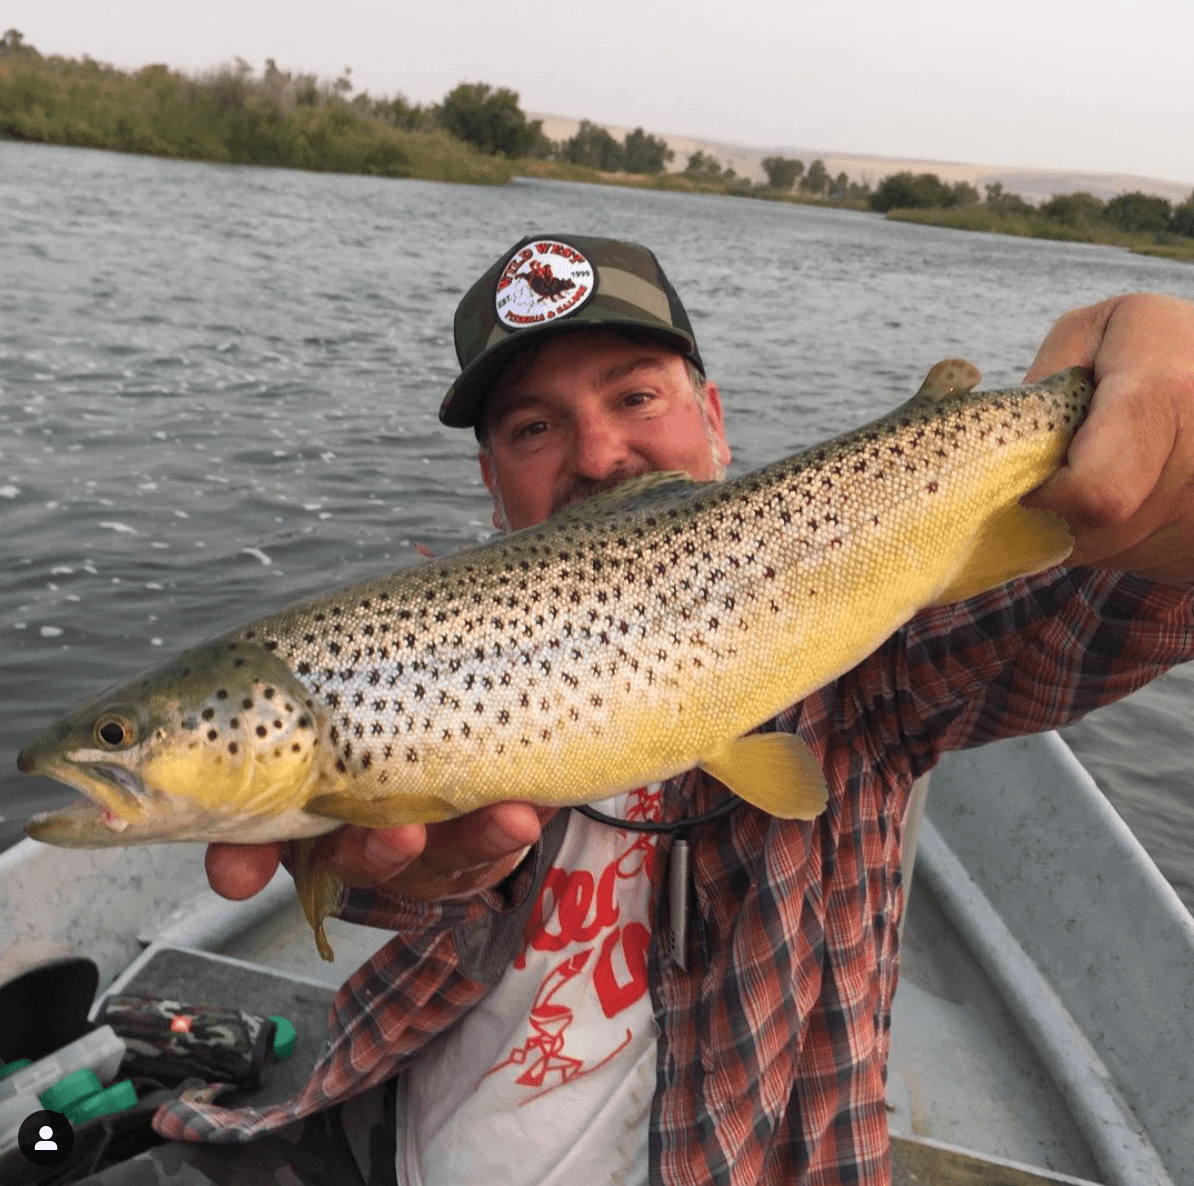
280,119
1037,226
226,116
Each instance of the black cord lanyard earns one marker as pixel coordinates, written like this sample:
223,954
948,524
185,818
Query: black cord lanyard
680,827
679,863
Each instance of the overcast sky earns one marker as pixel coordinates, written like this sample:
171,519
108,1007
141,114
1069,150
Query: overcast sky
1104,85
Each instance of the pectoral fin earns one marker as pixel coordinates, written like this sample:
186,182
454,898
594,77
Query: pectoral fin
318,890
1016,542
776,772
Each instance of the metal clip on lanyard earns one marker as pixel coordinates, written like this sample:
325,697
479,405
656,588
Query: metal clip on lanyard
679,877
679,863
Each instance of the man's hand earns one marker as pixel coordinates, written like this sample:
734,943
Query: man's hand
422,862
1127,488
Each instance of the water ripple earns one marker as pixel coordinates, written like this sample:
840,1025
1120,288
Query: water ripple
203,366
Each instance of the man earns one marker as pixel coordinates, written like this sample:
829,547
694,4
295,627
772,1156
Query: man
527,1021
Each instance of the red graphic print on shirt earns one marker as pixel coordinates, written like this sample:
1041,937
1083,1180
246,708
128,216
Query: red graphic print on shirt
582,913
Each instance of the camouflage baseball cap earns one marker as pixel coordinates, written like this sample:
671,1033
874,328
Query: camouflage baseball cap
547,284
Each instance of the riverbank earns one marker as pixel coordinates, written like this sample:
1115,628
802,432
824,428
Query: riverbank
278,119
735,187
974,217
227,117
232,116
1037,226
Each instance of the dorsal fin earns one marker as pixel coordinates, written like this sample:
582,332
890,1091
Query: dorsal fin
949,378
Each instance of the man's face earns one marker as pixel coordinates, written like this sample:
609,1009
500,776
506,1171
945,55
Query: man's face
587,411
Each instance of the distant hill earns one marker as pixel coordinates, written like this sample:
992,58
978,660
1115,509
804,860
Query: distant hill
1035,185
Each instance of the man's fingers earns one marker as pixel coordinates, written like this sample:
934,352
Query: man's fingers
370,856
1118,484
1073,341
426,862
238,871
471,853
1127,488
481,838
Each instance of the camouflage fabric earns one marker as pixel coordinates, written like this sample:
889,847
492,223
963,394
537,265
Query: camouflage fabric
172,1040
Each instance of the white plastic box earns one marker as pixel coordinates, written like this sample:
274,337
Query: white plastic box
101,1050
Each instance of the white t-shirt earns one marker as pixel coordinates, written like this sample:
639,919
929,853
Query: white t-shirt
549,1079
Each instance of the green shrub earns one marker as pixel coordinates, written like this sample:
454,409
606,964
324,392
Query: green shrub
227,115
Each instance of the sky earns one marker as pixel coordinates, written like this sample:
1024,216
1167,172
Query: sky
1101,85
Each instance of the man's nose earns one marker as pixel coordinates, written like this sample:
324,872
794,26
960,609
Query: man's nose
598,449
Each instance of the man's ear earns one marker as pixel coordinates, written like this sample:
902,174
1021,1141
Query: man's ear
491,484
713,418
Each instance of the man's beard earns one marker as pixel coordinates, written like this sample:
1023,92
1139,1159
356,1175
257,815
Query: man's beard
579,489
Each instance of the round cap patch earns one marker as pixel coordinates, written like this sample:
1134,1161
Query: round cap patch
543,281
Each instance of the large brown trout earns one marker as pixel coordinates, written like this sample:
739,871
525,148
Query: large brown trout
637,635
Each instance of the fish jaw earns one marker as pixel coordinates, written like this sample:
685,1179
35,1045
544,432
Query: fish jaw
118,808
115,800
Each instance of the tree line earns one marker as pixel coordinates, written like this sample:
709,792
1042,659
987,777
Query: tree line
1081,213
472,134
1134,212
232,114
787,174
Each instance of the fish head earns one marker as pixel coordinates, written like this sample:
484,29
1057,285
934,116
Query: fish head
222,743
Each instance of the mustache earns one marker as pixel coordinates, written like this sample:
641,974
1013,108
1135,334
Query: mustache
578,489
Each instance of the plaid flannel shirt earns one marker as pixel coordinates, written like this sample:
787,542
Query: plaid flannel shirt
773,1045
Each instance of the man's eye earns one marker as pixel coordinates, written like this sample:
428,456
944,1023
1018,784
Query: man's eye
531,429
636,399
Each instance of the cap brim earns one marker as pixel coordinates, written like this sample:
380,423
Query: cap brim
464,404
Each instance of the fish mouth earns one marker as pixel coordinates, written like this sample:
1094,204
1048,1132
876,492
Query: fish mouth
115,798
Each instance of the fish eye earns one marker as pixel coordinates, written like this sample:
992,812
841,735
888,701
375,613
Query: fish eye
113,732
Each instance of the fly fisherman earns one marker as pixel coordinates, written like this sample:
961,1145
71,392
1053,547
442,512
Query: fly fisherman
545,1013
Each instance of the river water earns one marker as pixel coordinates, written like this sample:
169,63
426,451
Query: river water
218,392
